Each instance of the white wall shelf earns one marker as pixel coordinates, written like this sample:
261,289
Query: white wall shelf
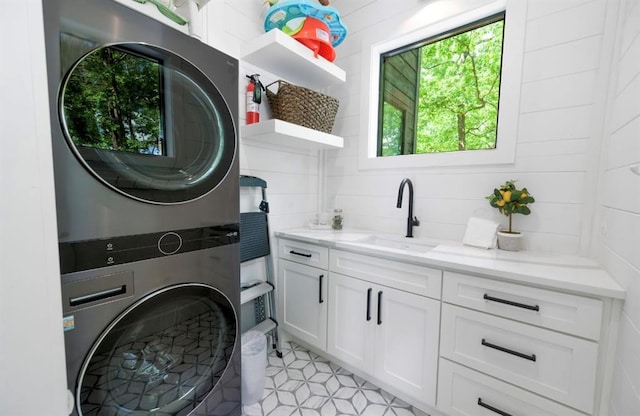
288,135
281,54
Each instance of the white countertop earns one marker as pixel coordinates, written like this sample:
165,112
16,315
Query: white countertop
558,271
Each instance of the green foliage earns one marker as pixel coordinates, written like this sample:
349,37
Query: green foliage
458,94
510,200
112,101
392,130
459,88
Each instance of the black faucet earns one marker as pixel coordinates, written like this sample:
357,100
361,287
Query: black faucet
411,220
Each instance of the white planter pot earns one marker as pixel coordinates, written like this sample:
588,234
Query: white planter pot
510,241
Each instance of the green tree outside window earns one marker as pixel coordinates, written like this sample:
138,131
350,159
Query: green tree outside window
457,84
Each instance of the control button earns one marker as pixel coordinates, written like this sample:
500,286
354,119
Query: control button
169,243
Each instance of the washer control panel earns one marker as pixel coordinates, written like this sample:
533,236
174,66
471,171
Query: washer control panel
92,254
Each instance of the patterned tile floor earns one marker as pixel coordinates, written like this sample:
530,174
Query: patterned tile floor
305,384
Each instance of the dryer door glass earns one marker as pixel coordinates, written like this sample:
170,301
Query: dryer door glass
147,123
162,356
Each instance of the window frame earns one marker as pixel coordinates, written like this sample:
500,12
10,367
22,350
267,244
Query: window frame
445,20
489,20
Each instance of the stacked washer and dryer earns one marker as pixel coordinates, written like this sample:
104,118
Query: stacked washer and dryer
146,175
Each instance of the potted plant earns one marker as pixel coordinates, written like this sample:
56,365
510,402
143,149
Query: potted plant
509,200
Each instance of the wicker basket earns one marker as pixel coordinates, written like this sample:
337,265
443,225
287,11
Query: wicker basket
302,106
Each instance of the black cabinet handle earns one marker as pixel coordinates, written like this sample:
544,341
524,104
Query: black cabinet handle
369,304
531,357
379,307
320,300
512,303
300,254
493,409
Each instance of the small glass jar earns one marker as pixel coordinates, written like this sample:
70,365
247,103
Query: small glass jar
336,221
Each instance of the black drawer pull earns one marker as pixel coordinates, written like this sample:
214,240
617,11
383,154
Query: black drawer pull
380,307
531,357
512,303
300,254
369,304
320,300
493,409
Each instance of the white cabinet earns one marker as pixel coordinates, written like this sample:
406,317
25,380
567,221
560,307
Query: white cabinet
558,366
487,345
406,343
577,315
302,291
540,341
389,334
464,392
350,337
302,302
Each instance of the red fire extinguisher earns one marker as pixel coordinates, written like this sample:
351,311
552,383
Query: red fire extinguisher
254,98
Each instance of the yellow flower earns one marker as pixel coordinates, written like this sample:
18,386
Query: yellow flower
500,203
506,196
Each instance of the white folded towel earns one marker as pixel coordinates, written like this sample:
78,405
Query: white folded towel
481,233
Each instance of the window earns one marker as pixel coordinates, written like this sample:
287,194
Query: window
441,94
401,127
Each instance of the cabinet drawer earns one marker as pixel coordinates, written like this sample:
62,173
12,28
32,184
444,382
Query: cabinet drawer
464,392
558,366
573,314
304,253
412,278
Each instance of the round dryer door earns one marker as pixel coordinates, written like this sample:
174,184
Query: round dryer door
162,356
147,123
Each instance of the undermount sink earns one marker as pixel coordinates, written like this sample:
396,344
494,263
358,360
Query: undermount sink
336,235
416,245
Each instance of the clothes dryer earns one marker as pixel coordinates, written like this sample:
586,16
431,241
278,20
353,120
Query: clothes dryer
143,123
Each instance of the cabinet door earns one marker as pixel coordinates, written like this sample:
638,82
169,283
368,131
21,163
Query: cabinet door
406,342
351,314
302,301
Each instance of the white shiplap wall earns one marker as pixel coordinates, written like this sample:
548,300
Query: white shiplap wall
292,175
558,118
619,225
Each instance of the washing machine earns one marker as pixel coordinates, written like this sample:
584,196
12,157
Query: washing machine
143,121
157,335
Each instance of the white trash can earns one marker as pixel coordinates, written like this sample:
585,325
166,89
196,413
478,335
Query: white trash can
254,365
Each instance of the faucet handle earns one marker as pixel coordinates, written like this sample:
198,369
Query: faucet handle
415,221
